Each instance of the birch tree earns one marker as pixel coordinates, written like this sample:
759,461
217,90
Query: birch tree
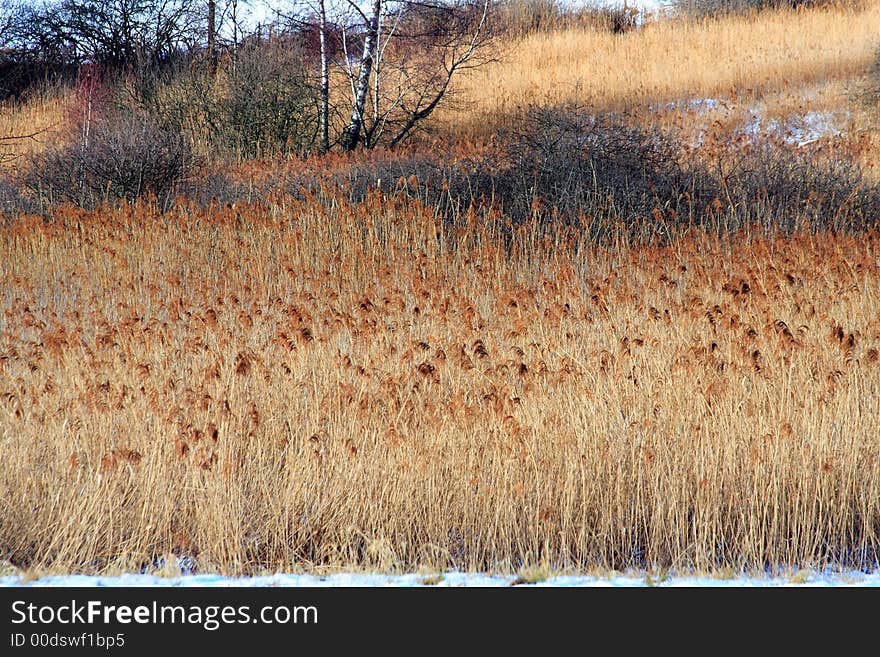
410,52
352,135
324,122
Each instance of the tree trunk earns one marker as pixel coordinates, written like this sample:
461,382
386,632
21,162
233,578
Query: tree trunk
325,82
212,33
352,136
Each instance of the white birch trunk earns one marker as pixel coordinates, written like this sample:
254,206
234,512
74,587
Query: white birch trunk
352,136
325,82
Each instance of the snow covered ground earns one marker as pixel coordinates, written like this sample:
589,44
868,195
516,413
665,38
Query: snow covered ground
453,579
800,129
797,128
653,8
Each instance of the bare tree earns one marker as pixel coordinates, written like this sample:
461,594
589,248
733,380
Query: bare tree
115,33
410,52
450,40
9,12
212,33
232,26
24,61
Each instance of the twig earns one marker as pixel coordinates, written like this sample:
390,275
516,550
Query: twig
32,136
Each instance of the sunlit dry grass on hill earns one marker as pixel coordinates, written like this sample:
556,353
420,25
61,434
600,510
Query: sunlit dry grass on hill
29,126
739,57
364,387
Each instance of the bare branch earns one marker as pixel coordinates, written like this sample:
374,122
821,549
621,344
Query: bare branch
32,136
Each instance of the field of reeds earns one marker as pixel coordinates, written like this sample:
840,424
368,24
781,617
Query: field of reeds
363,386
569,346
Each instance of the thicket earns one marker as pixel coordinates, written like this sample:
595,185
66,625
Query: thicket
518,18
711,8
563,165
570,167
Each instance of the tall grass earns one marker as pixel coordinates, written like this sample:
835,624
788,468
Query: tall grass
324,385
355,379
668,60
26,127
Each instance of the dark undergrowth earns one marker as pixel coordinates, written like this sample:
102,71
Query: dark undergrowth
562,165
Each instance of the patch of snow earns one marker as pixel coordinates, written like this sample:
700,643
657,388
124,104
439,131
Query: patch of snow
450,579
812,126
797,129
692,105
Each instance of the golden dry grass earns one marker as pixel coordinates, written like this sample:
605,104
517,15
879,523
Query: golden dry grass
306,387
31,126
334,386
740,57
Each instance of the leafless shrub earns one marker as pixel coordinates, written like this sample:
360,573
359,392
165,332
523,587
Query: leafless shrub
125,157
574,165
270,105
518,18
709,8
261,102
12,201
785,189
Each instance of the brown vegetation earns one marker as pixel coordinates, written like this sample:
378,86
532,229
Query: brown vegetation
364,386
573,346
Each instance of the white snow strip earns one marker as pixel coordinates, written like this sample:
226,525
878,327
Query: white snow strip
798,128
450,579
644,7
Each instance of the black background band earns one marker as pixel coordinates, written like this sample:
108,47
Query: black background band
421,620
